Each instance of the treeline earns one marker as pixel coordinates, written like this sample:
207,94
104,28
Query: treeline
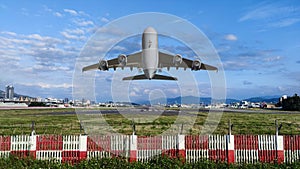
291,103
37,104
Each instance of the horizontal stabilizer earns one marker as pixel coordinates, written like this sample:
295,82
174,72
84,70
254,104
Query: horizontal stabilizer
137,77
156,77
162,77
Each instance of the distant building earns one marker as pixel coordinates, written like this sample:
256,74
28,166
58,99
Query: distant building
66,100
9,92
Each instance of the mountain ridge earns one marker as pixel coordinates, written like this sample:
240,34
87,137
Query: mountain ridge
206,100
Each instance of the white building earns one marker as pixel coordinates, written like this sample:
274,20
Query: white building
9,92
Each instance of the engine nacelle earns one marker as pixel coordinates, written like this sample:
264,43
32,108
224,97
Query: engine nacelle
177,60
103,65
122,59
196,65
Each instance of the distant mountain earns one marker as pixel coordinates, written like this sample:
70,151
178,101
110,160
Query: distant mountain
206,100
267,99
185,100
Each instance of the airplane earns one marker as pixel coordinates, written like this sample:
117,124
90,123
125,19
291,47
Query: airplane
150,60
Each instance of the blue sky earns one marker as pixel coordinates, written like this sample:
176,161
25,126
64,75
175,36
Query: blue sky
257,41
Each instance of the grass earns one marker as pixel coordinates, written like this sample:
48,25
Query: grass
13,122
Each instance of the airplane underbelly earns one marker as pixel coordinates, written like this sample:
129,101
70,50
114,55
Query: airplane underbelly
150,58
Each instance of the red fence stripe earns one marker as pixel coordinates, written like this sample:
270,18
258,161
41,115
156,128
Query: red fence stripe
5,143
245,142
149,143
49,142
98,143
292,142
196,142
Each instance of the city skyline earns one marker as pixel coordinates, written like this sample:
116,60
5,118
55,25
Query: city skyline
257,43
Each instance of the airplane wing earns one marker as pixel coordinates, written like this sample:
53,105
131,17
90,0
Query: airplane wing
91,67
167,60
132,60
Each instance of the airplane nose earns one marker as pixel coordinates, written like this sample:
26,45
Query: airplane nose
150,30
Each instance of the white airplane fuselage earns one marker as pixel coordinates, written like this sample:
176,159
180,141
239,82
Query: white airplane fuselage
149,52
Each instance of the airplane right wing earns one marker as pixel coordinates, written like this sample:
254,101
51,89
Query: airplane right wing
132,60
168,60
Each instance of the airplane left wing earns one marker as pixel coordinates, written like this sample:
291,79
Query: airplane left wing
91,67
132,60
168,60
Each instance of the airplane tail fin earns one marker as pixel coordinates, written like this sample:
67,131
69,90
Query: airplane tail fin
156,77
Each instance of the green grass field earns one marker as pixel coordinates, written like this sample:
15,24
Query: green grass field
13,122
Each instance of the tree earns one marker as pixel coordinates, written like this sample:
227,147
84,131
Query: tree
291,103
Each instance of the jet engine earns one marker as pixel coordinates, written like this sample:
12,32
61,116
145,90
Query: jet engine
177,60
122,59
196,65
103,65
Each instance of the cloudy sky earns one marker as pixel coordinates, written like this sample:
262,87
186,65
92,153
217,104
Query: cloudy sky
257,41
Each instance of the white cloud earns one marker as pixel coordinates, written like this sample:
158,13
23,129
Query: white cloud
9,33
74,34
81,22
76,31
47,9
57,14
83,13
50,68
273,14
47,85
230,37
133,94
35,36
71,12
285,22
272,59
104,19
70,36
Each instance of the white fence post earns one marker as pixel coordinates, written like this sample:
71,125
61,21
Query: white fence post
133,148
32,146
82,147
280,149
181,146
230,150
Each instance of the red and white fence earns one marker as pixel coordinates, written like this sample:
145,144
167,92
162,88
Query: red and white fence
228,148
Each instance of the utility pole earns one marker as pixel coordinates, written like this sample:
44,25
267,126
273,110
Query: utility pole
133,127
32,128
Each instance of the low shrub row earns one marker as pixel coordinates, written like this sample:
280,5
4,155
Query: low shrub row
156,163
